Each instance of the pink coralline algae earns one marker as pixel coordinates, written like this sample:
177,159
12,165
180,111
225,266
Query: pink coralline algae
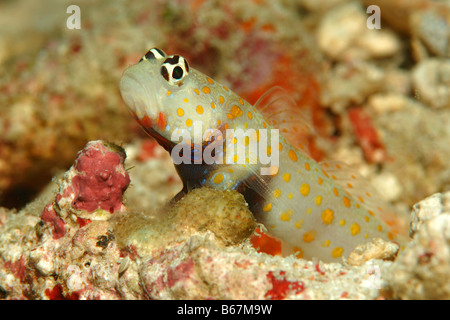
99,185
94,186
69,251
51,218
17,268
95,182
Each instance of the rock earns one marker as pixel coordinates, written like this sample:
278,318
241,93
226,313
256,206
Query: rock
422,270
430,29
427,209
224,213
376,249
93,187
388,186
70,252
416,139
348,84
198,269
431,80
397,13
197,248
343,35
391,102
320,5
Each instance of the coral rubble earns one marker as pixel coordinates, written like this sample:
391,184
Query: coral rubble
198,248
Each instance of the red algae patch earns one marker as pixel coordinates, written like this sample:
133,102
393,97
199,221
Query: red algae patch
94,186
100,183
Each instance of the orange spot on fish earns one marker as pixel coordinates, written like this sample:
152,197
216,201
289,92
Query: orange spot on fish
162,121
146,122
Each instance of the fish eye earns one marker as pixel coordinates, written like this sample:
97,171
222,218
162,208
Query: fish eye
154,54
177,73
174,69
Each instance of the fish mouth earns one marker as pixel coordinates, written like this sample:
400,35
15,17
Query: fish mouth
140,101
139,98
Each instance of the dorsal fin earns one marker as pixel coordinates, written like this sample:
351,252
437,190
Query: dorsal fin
281,111
364,193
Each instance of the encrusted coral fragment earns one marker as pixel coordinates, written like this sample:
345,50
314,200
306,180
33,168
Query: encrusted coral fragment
222,212
93,187
91,190
50,217
101,178
422,270
376,249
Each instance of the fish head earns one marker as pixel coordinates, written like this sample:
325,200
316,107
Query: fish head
168,97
